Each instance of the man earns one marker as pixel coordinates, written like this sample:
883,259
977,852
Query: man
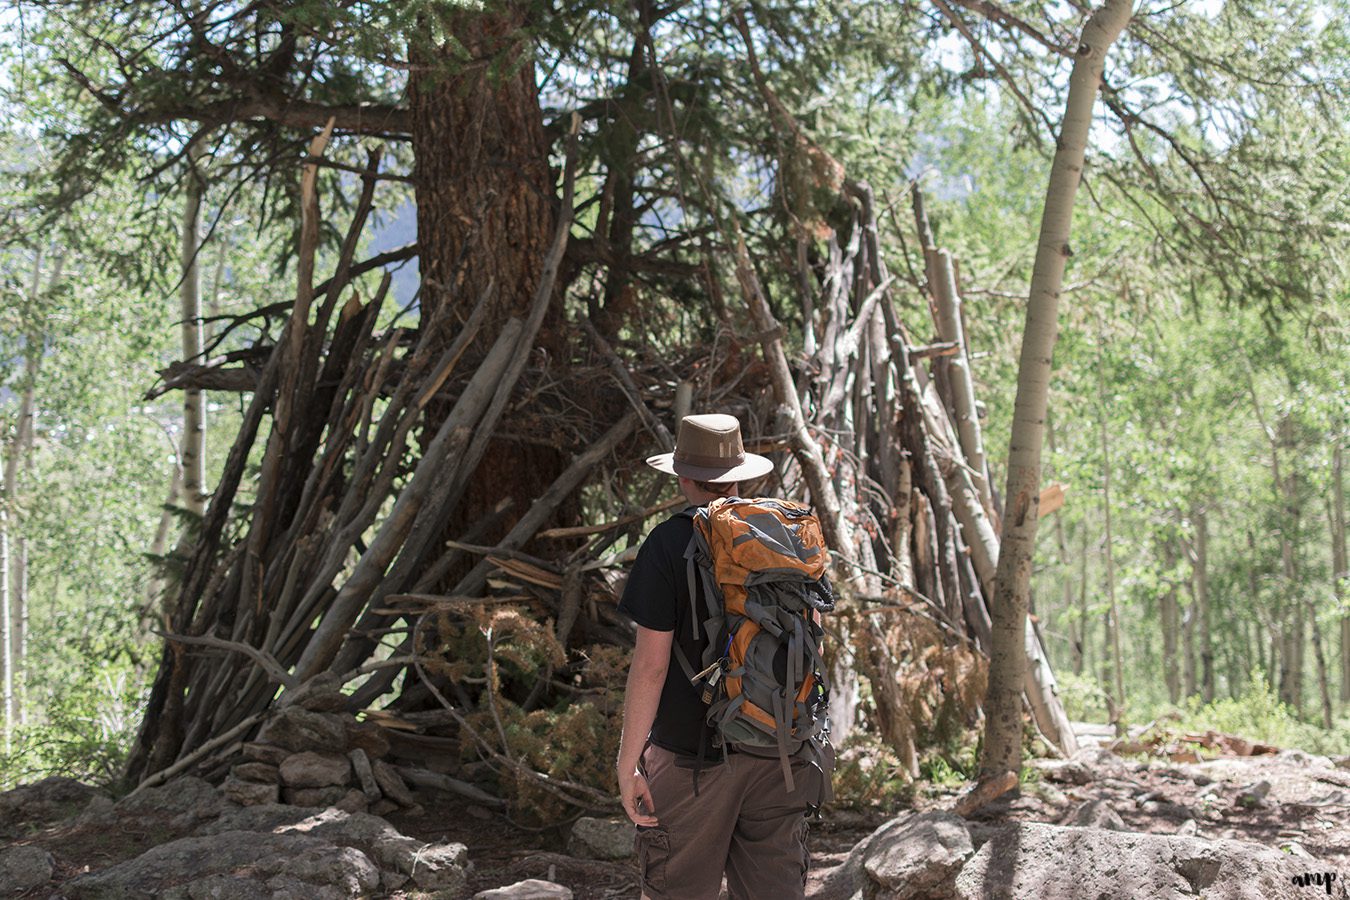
699,816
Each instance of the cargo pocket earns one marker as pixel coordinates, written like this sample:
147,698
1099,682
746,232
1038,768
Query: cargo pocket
653,849
802,828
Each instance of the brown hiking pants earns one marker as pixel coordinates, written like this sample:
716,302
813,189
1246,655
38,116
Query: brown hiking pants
743,822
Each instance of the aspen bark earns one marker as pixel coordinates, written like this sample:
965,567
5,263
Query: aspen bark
1113,619
1200,578
1007,667
1169,616
1339,569
950,329
193,444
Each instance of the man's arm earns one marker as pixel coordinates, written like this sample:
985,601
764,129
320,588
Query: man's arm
646,678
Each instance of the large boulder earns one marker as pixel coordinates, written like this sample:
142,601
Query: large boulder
46,802
1051,862
917,859
316,770
23,868
235,864
298,729
601,838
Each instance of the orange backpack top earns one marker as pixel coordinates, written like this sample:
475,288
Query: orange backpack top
762,564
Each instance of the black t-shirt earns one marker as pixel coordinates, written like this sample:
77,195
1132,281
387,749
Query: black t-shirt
657,597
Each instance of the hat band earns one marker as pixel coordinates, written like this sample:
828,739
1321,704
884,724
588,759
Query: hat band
711,462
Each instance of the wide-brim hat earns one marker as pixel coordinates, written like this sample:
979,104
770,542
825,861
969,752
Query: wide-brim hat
708,448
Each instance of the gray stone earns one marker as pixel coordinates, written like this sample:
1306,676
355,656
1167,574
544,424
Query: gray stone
1189,828
846,880
298,729
261,772
368,736
395,852
323,683
365,775
440,867
194,796
1254,796
316,770
321,797
1097,814
1050,862
530,889
97,812
263,817
383,807
24,868
266,753
391,784
353,802
601,838
918,858
250,793
34,806
1063,771
230,864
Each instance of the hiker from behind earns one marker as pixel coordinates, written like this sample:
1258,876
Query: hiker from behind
718,778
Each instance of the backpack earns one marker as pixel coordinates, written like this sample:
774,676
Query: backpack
762,565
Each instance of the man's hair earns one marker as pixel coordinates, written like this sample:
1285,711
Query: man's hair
720,488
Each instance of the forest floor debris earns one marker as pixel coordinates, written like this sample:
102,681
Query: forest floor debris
1290,803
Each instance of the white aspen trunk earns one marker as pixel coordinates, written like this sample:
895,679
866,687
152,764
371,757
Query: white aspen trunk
13,452
1339,569
1076,625
963,385
1008,663
1169,616
1200,579
193,452
1113,622
155,611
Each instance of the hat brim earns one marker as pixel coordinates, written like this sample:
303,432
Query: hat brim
755,466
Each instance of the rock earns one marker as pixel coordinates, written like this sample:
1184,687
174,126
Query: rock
316,770
601,838
846,880
263,817
1305,759
261,772
918,858
1341,762
383,807
353,802
317,797
1200,779
530,889
24,868
323,683
234,864
1050,794
391,783
250,793
1189,828
46,802
1063,771
298,729
266,753
440,867
1097,814
395,853
1050,862
1253,797
97,812
368,736
184,801
365,776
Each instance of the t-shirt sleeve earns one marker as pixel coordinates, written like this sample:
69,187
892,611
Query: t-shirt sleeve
649,597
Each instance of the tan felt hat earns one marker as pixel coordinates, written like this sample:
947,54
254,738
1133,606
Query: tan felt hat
709,448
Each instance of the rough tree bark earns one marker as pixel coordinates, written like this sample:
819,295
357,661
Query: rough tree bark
1007,667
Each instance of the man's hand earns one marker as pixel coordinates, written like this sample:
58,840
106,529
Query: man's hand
637,798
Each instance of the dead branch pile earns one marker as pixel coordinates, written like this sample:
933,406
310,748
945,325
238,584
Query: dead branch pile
476,661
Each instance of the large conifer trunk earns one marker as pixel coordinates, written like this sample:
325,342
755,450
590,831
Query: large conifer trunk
485,217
